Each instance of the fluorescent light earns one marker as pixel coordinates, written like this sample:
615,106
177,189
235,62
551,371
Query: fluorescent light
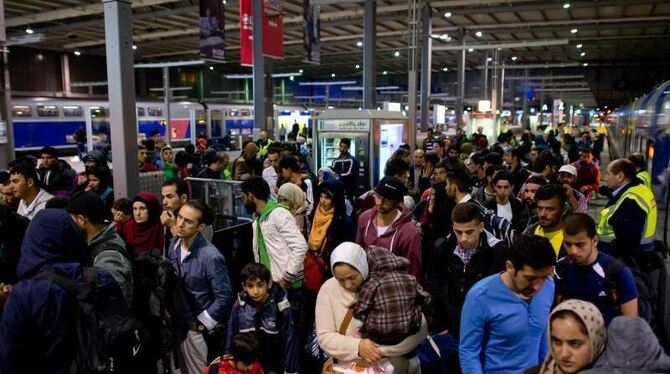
566,6
583,54
489,59
579,46
445,69
29,31
573,31
445,37
396,53
585,64
134,47
211,68
300,71
77,53
332,75
514,58
358,66
478,34
447,14
471,49
291,77
359,43
385,72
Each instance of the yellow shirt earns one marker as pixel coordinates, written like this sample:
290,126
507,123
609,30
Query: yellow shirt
555,237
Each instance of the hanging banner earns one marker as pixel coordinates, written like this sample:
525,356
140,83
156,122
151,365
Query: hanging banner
273,30
311,32
211,30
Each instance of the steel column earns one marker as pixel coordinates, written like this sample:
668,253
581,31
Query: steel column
369,54
426,64
412,62
259,66
166,100
121,86
460,77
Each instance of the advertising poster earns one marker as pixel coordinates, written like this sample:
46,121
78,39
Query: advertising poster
246,33
311,32
273,30
390,139
211,30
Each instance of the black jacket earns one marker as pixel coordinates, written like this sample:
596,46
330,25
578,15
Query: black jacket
448,281
519,216
57,178
12,229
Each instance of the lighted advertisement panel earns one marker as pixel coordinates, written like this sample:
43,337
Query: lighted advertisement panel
390,138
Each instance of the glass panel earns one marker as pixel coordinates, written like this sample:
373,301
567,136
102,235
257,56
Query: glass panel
72,111
154,112
140,112
47,111
100,127
21,111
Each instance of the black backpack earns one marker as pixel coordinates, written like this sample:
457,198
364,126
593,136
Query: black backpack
646,292
109,337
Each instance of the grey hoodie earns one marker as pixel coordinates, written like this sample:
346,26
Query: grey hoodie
631,348
109,252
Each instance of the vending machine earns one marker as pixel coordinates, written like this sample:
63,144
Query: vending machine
374,136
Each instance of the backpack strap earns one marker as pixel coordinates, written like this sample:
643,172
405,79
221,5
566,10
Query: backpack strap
73,288
612,272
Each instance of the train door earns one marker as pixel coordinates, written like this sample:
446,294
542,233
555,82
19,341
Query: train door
216,123
97,127
201,125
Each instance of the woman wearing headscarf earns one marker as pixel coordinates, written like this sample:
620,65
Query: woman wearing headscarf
632,348
144,231
99,182
295,200
576,336
334,312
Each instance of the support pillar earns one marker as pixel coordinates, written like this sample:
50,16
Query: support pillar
166,100
426,64
121,86
259,67
460,83
269,98
412,62
369,54
65,74
6,147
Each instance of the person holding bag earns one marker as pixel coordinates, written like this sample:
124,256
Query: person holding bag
343,342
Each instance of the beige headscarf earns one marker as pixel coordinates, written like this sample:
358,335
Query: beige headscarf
595,328
296,197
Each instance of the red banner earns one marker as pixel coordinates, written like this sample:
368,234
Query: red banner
273,30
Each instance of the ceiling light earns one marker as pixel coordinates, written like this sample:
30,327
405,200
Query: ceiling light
573,31
585,64
29,31
566,6
332,75
300,71
291,77
77,53
445,69
385,72
514,58
489,59
134,47
445,37
478,34
583,54
471,49
579,46
358,66
359,43
447,14
396,53
211,68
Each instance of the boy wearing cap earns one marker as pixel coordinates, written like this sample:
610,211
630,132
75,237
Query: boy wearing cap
566,177
389,224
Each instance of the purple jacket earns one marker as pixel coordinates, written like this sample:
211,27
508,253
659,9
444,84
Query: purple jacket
402,238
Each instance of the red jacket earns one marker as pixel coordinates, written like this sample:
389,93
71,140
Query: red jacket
402,238
227,367
587,175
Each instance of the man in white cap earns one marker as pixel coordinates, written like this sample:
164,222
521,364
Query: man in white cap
579,203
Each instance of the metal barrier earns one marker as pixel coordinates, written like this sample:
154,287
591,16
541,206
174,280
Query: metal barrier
225,197
152,182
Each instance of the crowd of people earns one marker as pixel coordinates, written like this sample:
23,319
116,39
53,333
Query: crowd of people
484,253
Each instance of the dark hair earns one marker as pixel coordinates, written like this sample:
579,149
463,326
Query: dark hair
503,175
182,188
256,271
536,179
290,163
638,160
466,212
492,169
103,174
624,166
543,160
534,251
181,158
207,214
57,202
441,165
431,157
566,313
440,143
141,146
27,171
244,348
346,141
550,191
399,153
212,156
478,158
154,132
493,158
123,205
579,222
189,149
51,151
517,152
274,150
453,147
396,167
460,179
257,186
150,144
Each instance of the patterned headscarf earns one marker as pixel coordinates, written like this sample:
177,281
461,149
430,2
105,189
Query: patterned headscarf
590,316
295,196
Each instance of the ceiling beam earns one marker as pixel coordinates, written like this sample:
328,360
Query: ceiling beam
515,44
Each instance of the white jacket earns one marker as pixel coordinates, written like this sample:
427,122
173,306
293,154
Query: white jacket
285,245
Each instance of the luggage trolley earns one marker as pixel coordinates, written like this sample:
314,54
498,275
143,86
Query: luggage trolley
233,233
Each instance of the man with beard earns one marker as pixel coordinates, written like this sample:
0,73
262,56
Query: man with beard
175,195
551,201
271,173
453,161
496,335
277,242
389,224
528,197
588,275
577,200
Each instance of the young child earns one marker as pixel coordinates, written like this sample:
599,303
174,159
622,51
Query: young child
243,358
390,300
262,308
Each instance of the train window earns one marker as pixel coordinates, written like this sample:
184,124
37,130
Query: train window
97,112
245,112
21,111
72,111
47,111
154,112
140,112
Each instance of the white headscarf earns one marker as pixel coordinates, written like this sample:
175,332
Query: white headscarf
351,254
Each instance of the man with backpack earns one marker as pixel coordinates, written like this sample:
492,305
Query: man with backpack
593,276
40,331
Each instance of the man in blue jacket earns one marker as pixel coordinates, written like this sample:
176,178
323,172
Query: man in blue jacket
207,288
505,316
37,331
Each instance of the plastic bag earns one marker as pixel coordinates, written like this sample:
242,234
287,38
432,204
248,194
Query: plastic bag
358,367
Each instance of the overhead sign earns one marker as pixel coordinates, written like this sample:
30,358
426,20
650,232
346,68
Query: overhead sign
25,39
312,32
273,30
361,125
211,30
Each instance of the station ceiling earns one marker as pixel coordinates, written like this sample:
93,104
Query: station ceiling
536,34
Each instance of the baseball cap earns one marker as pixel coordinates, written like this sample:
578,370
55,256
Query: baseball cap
391,188
568,169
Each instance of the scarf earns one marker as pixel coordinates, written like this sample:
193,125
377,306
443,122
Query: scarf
320,225
353,255
590,316
296,197
263,256
146,236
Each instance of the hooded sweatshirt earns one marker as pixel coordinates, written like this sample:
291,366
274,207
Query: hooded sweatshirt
632,348
37,328
109,252
402,238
